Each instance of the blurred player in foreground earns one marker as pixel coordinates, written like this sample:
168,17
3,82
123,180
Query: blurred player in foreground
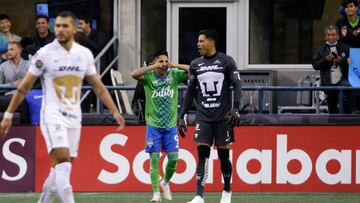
62,66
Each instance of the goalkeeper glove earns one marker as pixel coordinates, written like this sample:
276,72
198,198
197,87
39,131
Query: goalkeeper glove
182,126
233,118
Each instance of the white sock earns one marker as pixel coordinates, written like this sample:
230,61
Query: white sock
62,182
49,189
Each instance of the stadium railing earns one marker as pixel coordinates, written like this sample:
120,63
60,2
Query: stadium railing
97,61
259,89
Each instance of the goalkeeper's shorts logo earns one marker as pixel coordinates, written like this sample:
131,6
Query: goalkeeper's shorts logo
197,127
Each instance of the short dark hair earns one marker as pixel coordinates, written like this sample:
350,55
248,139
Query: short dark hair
4,16
86,19
210,34
42,16
67,14
160,52
346,2
150,59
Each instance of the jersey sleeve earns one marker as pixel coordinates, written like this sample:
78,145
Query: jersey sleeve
234,76
180,75
232,71
37,65
146,78
91,69
190,91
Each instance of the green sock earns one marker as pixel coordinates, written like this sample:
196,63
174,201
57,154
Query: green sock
171,165
154,170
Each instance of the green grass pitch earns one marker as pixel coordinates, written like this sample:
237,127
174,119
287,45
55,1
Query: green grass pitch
184,197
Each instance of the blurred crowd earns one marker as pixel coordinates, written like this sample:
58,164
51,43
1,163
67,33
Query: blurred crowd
16,52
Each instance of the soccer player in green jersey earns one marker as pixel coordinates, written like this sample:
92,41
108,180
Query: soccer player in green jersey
161,80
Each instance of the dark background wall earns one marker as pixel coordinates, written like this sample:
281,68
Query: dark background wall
22,13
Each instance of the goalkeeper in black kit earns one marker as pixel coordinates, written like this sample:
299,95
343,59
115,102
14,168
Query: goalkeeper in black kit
211,76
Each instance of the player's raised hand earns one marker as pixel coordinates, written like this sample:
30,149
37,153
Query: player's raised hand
182,127
170,65
120,120
5,127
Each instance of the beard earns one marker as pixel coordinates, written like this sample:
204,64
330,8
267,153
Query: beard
63,39
11,57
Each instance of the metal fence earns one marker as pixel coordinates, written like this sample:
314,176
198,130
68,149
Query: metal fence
259,89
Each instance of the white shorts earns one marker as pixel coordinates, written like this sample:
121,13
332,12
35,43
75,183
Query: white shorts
59,136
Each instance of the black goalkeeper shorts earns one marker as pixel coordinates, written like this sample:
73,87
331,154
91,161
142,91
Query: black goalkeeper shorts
210,132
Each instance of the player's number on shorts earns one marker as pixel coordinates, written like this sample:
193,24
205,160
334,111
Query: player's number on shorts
176,138
67,88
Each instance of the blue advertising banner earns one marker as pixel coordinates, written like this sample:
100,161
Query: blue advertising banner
354,67
17,160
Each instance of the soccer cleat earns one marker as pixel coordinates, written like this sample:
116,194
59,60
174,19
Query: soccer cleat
197,199
156,197
166,189
225,197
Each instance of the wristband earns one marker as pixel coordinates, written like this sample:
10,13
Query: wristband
8,115
20,91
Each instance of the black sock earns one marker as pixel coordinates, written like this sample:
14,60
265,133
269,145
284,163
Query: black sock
226,167
202,169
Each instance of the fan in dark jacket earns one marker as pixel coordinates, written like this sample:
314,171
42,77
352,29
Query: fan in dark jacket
43,35
332,60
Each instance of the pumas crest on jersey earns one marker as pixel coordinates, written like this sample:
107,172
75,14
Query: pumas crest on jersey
39,64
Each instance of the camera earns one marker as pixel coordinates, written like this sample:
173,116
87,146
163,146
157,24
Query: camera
334,54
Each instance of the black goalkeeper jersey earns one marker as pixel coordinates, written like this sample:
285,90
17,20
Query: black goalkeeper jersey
212,76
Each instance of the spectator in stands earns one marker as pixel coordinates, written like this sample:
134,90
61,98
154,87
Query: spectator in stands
332,60
350,35
12,72
349,24
96,40
138,101
342,10
6,35
42,35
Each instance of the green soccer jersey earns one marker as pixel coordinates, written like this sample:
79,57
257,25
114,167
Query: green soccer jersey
162,97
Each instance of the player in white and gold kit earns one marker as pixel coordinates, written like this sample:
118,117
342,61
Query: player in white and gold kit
62,66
